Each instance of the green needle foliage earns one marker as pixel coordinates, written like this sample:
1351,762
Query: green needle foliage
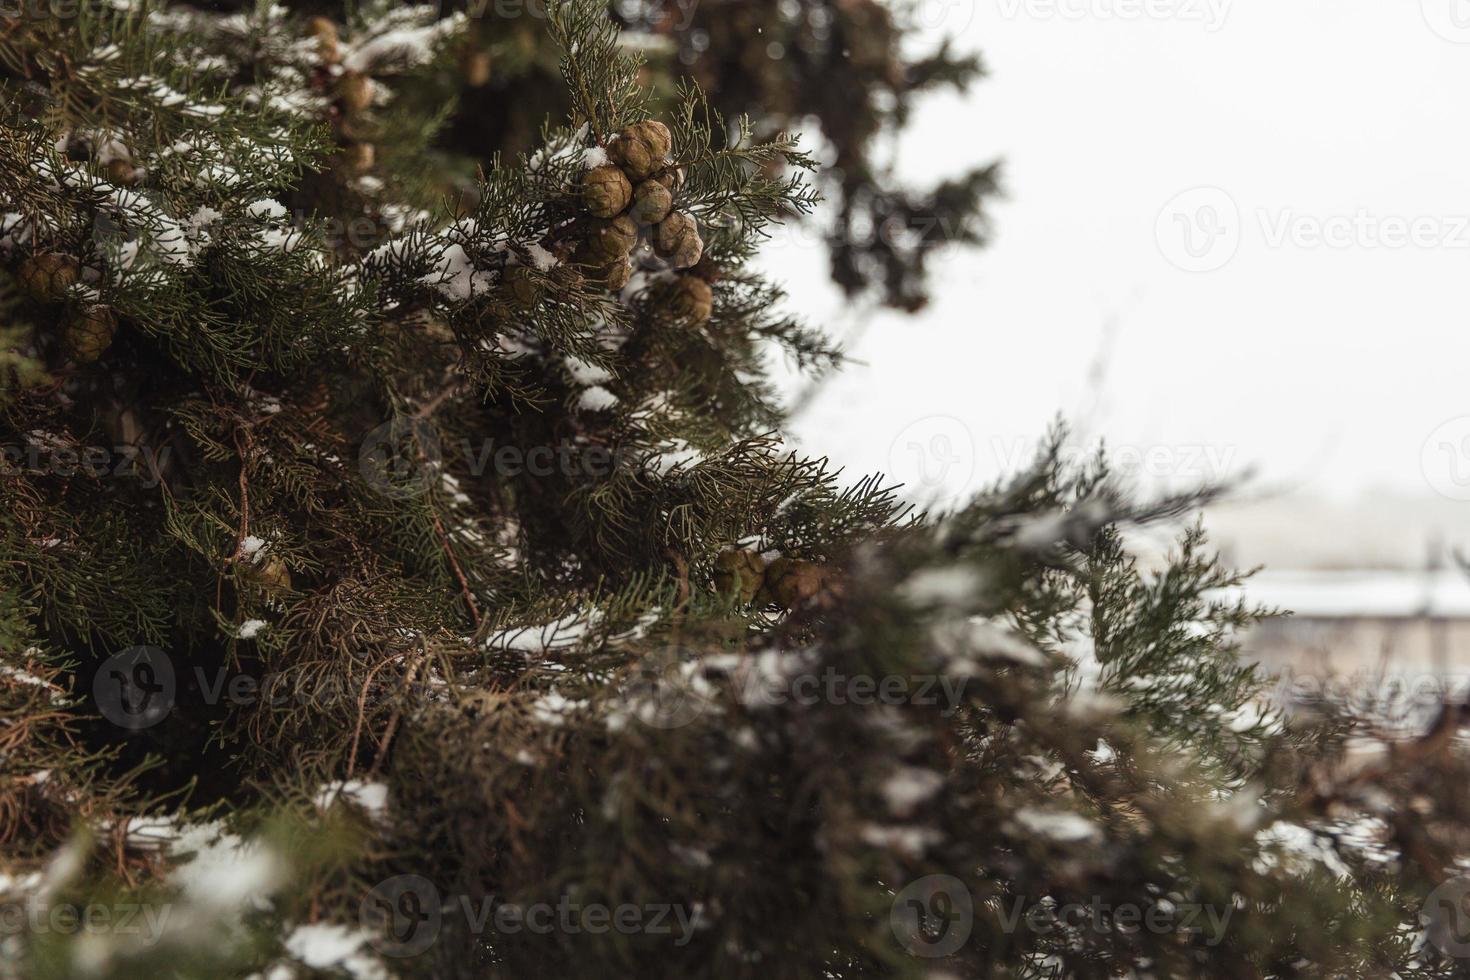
402,574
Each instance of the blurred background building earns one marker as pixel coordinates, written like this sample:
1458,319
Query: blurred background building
1375,587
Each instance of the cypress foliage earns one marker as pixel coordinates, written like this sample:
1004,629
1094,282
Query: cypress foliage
402,574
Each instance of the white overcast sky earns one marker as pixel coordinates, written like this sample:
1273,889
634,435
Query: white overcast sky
1326,366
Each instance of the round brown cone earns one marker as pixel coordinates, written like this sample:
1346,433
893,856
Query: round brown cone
45,277
740,573
88,333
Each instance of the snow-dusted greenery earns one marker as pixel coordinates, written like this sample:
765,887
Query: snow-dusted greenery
421,689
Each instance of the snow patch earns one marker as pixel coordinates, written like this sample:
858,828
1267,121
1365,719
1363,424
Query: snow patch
541,259
552,708
329,946
267,210
559,634
906,788
584,373
371,798
952,586
1057,825
596,399
456,276
224,871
